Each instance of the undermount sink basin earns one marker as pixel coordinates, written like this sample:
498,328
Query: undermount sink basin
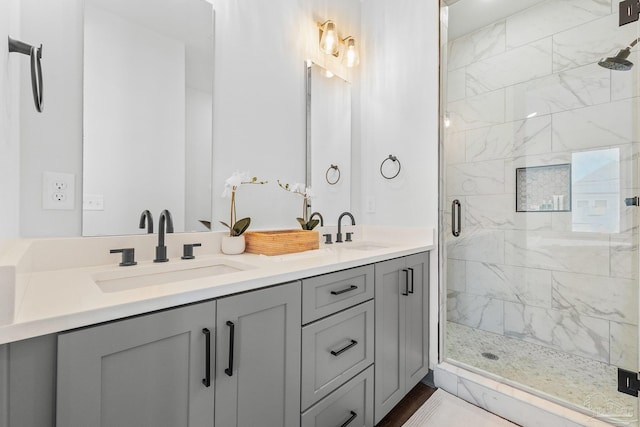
364,246
143,276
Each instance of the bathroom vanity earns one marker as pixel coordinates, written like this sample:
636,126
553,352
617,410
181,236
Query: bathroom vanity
321,338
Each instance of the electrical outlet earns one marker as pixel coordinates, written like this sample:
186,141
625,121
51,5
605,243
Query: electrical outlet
58,190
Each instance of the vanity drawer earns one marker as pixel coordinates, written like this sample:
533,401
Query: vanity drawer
330,293
334,349
353,401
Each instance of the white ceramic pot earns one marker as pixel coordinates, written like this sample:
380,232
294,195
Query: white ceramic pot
233,245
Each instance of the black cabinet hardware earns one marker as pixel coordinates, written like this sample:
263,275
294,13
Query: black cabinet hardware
342,350
207,362
411,270
232,327
342,291
406,282
351,418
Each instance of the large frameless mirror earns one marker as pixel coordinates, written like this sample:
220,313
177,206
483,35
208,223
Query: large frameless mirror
147,128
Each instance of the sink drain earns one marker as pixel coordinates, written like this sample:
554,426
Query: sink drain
490,356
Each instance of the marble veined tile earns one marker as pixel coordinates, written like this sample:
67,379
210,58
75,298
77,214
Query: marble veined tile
575,88
601,125
476,178
512,139
624,253
476,46
477,111
624,345
475,311
516,284
454,147
513,66
456,85
570,252
476,244
587,43
625,84
456,275
497,211
550,17
573,333
596,296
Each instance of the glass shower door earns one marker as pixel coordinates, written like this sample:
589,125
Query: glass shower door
540,153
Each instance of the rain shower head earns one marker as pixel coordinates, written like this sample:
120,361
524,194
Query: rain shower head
619,62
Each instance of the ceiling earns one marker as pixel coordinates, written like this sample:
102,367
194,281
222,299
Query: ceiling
466,16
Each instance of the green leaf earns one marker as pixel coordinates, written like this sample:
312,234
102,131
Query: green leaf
225,224
302,223
312,224
240,226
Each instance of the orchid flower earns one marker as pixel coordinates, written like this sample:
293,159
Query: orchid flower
231,185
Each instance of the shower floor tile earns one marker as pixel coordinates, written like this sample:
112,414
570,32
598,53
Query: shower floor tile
589,385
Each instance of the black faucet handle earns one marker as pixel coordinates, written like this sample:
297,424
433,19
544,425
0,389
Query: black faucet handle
348,239
128,256
327,239
187,250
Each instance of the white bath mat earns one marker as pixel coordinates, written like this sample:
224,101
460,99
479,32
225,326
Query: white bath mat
446,410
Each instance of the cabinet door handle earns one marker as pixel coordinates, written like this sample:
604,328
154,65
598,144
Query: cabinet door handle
406,282
351,418
207,361
342,291
456,218
411,270
342,350
232,328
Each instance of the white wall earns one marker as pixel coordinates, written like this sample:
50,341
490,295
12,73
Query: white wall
259,99
399,104
134,123
51,141
9,126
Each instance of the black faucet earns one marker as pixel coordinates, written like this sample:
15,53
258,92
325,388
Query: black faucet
146,218
161,249
319,215
339,235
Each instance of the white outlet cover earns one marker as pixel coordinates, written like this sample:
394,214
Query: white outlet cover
58,190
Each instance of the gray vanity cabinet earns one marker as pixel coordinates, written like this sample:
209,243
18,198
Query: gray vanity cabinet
401,328
258,358
142,371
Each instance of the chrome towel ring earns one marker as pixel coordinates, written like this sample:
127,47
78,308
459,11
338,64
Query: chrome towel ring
326,175
35,53
394,159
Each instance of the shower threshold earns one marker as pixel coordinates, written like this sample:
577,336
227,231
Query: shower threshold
585,385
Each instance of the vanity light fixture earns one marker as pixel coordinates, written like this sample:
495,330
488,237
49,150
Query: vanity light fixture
332,44
350,57
329,41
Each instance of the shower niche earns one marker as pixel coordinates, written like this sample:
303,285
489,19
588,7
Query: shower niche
544,188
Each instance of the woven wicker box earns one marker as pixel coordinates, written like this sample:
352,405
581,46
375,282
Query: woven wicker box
278,242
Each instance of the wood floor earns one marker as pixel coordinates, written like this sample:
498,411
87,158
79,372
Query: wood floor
407,406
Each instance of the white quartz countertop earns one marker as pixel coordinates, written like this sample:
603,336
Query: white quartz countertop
50,299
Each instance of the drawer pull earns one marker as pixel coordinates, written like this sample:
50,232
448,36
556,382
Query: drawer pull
207,364
342,350
232,327
342,291
406,282
411,270
351,418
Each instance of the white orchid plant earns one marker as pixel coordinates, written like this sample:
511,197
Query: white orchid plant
237,226
306,194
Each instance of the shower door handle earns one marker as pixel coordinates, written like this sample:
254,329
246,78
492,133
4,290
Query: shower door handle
632,201
456,218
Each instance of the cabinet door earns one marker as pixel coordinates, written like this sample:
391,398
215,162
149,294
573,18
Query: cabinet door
258,377
390,284
145,371
417,319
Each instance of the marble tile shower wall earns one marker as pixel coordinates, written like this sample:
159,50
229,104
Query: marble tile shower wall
528,275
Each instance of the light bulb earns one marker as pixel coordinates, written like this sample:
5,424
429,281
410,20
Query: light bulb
351,57
329,38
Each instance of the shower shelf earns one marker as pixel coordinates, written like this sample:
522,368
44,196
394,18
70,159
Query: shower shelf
544,188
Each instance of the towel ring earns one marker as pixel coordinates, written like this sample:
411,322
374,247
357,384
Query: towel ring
394,159
35,53
326,175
